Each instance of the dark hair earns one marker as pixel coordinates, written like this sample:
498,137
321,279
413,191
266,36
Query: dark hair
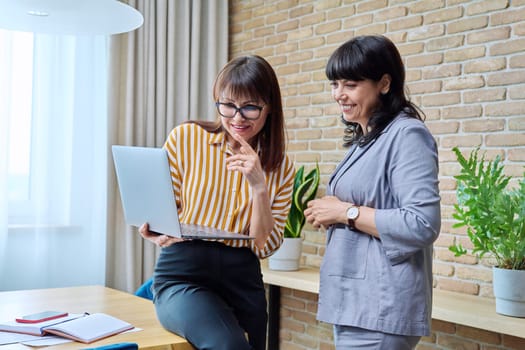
370,57
253,77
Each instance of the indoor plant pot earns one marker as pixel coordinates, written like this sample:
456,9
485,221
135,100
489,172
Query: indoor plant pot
288,256
509,291
494,216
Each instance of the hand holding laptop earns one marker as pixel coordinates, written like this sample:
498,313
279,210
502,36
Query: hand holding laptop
159,239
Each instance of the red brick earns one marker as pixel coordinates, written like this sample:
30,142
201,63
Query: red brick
458,286
453,342
513,343
443,327
479,335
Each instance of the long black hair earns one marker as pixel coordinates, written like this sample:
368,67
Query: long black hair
370,57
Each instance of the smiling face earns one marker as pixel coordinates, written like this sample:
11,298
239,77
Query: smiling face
248,129
358,99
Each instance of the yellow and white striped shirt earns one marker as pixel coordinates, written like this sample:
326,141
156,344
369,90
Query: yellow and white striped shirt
208,194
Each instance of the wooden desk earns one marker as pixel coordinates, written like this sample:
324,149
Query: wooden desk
130,308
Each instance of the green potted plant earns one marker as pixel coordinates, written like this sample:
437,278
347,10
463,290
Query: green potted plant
494,215
288,256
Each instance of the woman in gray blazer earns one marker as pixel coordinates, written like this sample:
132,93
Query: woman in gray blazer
382,209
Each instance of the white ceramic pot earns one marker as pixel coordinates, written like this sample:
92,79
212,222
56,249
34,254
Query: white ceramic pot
288,256
509,291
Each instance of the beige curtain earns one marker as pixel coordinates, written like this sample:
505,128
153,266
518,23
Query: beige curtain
161,75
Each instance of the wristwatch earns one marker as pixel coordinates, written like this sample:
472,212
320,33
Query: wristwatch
352,213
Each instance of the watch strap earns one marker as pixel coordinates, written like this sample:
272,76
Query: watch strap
351,224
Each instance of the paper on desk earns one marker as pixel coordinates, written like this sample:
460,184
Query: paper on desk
46,341
31,340
12,338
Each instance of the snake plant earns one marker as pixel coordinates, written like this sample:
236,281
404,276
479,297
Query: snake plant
304,190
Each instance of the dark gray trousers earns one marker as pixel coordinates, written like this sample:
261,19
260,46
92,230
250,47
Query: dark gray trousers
212,295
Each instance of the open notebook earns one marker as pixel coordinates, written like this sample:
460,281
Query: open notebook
146,191
85,328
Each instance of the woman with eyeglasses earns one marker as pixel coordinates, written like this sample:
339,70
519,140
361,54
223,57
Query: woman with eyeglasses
232,174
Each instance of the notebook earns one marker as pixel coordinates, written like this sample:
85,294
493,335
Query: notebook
146,192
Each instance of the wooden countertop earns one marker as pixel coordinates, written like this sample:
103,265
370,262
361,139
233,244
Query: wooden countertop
128,307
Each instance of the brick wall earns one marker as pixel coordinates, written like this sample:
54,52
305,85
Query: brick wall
465,63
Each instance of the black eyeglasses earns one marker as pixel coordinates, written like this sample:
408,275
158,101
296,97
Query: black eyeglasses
228,110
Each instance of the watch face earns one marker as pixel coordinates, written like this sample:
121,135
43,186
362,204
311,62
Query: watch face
352,213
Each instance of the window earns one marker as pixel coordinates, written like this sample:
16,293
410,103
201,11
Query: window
53,123
53,160
18,55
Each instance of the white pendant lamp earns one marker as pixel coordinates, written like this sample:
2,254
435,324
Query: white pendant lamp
74,17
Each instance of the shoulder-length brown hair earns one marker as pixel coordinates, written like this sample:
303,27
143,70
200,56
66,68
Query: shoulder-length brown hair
254,77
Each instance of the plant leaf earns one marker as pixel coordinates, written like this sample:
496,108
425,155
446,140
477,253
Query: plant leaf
304,190
493,214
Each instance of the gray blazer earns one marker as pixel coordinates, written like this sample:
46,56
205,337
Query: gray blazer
385,284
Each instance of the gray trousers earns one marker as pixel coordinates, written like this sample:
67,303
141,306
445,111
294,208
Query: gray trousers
354,338
212,295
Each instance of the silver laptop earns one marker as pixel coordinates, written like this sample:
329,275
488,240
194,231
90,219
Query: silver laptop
146,191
